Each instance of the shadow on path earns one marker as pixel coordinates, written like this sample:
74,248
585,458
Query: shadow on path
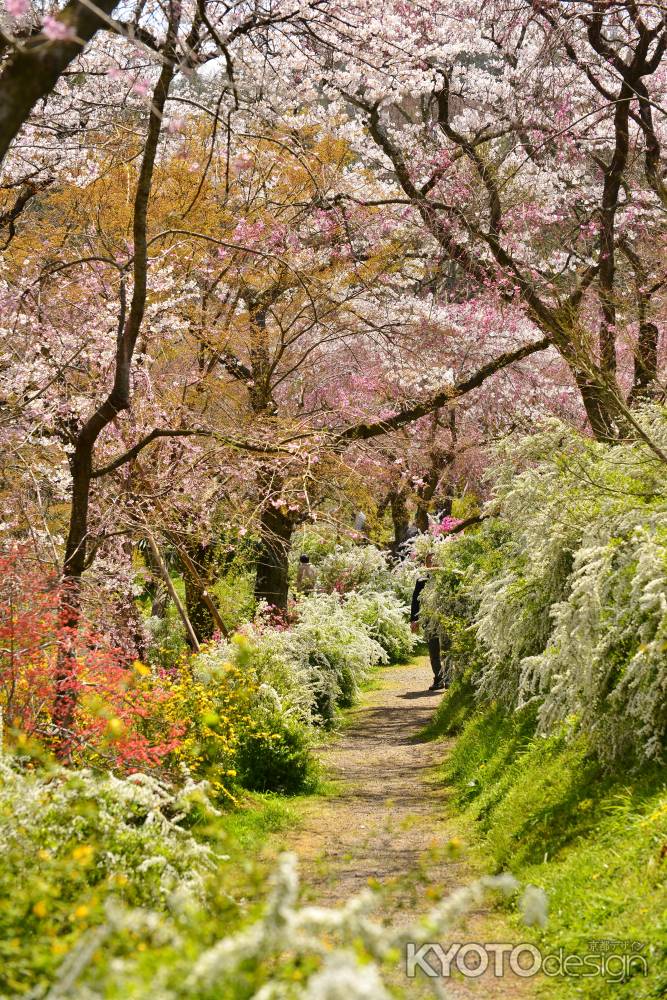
388,822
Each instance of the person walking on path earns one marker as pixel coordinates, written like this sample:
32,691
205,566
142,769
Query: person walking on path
306,576
430,631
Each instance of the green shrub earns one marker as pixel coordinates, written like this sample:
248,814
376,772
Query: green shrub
234,597
316,542
276,758
167,642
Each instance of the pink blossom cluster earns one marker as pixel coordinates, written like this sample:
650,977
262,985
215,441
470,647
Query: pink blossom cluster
56,30
446,525
17,8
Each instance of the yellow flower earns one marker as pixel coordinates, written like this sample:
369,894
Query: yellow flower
454,847
83,853
141,668
81,912
39,909
115,727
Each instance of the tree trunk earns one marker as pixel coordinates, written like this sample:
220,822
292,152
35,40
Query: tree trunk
156,589
421,514
271,582
198,612
600,392
399,517
644,383
85,438
438,461
66,687
612,183
197,568
646,363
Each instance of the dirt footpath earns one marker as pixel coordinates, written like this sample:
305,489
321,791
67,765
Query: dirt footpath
387,823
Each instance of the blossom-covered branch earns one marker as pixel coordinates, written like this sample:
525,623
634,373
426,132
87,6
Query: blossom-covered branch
364,431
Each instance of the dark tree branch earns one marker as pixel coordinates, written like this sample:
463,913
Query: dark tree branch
132,453
33,69
9,217
468,523
159,432
364,431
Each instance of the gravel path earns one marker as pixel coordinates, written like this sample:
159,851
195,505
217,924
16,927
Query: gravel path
386,820
384,815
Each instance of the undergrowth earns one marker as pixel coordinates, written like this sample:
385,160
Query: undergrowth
596,842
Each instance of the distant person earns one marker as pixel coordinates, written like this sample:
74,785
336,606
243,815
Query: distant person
306,576
361,523
405,547
431,632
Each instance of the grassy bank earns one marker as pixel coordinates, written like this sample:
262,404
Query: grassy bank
597,844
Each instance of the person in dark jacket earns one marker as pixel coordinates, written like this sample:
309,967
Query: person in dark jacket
431,634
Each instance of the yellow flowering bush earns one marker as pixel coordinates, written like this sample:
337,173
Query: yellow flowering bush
231,729
217,710
241,731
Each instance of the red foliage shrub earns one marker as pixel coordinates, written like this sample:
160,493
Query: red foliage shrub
116,716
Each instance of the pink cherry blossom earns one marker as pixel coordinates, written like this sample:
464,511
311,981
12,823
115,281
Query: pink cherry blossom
17,8
140,87
56,30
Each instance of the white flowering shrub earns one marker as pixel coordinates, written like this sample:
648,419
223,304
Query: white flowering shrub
289,951
363,567
402,579
284,683
338,648
308,669
71,840
605,663
386,620
563,596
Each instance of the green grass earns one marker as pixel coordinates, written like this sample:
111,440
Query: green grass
546,810
258,818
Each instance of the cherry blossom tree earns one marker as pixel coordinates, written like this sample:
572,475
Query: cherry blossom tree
255,255
525,141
